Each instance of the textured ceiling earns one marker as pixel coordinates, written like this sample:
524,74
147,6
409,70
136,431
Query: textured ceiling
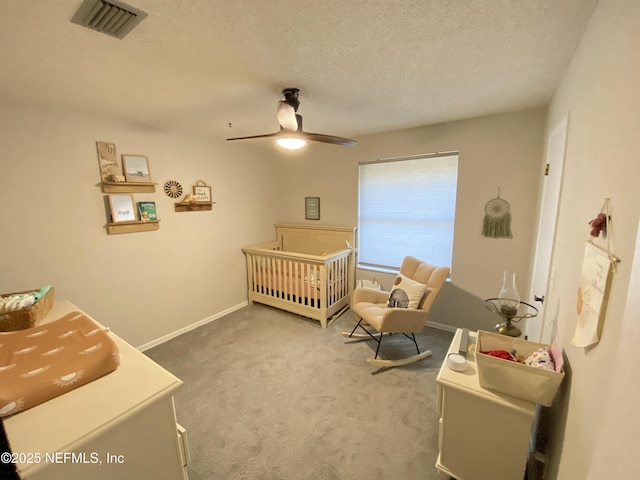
363,66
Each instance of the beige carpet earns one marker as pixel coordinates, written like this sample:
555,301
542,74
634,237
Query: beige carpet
270,395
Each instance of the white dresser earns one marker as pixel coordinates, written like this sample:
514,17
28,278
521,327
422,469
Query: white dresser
122,425
483,435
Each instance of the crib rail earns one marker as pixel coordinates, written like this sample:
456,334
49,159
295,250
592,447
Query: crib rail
316,286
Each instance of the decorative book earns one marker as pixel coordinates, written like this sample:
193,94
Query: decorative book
147,211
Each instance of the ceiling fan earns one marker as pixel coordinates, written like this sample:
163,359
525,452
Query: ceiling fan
291,134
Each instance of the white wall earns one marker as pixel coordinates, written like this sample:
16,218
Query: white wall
600,89
495,151
142,285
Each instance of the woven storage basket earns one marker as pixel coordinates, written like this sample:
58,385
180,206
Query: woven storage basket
26,317
513,378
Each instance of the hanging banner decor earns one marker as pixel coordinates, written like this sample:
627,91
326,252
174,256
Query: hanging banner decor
593,292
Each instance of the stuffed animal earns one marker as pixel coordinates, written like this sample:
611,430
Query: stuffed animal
598,224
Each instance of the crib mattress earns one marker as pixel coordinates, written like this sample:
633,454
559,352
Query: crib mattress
289,284
46,361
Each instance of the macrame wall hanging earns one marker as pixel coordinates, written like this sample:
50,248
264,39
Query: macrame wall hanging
497,218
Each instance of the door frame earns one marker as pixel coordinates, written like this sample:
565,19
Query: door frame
546,233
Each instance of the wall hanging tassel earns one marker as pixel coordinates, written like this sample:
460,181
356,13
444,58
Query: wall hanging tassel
497,218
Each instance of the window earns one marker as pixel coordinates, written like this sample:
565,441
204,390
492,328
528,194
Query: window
407,207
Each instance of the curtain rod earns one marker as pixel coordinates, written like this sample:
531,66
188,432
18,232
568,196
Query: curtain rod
410,157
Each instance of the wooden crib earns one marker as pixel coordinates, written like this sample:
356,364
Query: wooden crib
309,270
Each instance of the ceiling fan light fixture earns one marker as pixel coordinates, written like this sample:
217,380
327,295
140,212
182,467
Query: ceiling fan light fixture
291,135
287,116
291,143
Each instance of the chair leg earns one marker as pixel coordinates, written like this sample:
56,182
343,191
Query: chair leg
354,328
379,340
377,336
413,339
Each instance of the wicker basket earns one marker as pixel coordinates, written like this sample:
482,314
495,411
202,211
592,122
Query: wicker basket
26,317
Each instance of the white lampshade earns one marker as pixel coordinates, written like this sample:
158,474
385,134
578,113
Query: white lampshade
291,143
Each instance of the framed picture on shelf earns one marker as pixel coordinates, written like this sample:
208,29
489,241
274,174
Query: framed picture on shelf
202,191
122,208
312,208
108,160
147,211
136,168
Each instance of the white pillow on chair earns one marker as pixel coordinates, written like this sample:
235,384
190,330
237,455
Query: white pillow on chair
406,293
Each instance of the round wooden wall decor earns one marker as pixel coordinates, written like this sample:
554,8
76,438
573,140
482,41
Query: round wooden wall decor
173,189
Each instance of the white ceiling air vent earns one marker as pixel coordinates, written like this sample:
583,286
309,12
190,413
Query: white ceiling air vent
114,18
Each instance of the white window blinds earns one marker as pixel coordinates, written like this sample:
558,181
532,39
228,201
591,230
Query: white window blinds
407,207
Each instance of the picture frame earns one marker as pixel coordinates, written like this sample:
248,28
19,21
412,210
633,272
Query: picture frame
202,191
122,208
312,208
108,160
136,168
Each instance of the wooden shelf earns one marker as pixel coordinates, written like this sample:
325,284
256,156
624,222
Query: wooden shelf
128,187
132,227
198,207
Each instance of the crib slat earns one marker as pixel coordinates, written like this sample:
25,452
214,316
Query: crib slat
333,280
296,266
278,277
313,281
256,273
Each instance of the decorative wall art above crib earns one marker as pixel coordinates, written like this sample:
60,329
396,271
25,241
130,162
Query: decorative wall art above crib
312,208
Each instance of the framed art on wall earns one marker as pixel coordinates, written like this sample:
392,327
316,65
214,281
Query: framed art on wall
122,209
202,191
312,208
108,160
136,168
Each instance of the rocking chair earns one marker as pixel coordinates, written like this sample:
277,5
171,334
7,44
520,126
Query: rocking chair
403,310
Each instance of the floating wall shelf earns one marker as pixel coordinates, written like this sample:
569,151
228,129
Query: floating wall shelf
197,207
132,227
128,187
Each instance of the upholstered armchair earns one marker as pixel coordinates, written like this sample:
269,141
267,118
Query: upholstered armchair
403,310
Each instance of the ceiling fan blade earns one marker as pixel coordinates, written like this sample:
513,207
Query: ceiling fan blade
255,136
319,137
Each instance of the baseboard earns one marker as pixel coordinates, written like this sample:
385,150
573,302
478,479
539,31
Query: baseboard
441,326
188,328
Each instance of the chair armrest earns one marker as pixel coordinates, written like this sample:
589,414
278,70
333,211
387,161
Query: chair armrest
369,295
